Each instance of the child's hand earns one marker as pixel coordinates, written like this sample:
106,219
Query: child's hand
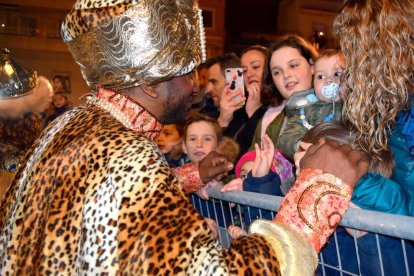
355,232
234,185
203,193
213,226
235,232
264,157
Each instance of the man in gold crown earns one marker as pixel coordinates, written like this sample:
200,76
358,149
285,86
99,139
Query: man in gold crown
23,94
96,196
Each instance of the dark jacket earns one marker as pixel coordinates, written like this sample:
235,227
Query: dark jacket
268,184
242,128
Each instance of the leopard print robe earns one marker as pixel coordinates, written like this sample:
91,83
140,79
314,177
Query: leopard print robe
95,197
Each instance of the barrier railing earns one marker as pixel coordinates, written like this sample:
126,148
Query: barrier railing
387,249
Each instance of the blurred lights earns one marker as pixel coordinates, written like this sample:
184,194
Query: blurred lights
3,25
8,69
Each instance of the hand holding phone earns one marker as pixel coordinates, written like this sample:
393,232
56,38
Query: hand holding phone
234,77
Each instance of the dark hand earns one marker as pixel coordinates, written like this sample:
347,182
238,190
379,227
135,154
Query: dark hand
342,161
214,166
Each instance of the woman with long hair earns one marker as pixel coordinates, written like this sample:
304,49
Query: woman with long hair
377,39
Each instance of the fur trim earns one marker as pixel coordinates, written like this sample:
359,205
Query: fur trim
229,148
34,102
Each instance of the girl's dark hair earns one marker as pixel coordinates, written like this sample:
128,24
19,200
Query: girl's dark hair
270,95
337,131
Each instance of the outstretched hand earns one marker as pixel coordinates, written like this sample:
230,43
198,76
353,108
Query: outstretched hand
234,185
214,166
264,157
342,161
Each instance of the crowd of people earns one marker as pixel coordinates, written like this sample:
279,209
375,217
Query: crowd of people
106,187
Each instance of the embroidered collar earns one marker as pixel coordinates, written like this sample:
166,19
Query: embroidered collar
126,111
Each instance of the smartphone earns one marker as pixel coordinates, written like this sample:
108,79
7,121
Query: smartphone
234,76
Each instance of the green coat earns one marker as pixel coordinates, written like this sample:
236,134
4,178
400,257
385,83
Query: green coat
273,130
293,129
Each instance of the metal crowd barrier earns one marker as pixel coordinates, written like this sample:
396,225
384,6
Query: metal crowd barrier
387,249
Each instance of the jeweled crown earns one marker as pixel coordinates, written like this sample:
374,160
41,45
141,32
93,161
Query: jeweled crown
15,79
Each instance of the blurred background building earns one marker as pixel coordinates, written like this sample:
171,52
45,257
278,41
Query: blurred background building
31,30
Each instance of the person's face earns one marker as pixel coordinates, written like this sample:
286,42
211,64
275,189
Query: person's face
59,101
328,71
168,138
200,140
180,94
203,78
291,72
252,63
216,83
57,84
246,168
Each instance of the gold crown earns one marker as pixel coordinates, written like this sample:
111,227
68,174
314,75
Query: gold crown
15,80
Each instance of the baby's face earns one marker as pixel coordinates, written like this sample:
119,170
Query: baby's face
326,80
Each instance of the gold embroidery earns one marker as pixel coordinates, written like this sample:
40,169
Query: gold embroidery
318,184
329,219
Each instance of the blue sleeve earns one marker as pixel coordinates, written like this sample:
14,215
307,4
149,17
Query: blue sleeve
268,184
377,193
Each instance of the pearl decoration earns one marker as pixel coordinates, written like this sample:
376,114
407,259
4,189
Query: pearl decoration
115,112
303,120
202,36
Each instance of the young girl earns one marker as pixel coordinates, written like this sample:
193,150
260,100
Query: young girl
60,104
260,171
289,70
304,109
